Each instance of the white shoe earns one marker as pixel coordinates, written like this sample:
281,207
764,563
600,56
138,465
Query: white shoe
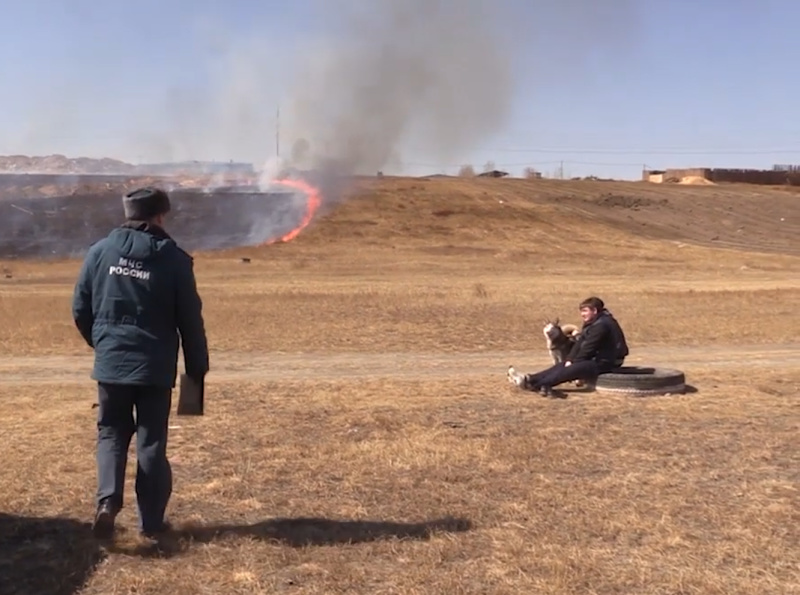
515,378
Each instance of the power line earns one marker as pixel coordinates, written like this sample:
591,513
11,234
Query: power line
708,153
532,164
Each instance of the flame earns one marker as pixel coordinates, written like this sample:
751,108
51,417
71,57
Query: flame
313,202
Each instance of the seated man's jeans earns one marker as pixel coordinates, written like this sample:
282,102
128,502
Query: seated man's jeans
560,373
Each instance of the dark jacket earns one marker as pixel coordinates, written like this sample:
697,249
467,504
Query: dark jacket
135,294
601,340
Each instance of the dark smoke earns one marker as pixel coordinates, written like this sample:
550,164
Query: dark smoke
436,75
431,81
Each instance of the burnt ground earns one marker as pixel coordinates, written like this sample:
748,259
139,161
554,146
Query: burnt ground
65,225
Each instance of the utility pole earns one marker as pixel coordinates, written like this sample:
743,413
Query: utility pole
278,133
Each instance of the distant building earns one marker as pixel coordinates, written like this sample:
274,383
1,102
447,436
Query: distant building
778,176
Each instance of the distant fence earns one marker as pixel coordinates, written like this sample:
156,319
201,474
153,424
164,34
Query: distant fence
774,177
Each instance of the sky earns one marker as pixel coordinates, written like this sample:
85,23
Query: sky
592,91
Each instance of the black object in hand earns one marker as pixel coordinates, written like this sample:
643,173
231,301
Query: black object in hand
192,395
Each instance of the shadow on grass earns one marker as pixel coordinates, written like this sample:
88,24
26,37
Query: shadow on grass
45,556
562,393
301,532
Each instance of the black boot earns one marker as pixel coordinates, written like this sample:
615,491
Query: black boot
103,526
159,531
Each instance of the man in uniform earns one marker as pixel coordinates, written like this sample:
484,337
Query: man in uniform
600,348
135,300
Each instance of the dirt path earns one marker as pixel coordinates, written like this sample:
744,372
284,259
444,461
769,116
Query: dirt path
271,367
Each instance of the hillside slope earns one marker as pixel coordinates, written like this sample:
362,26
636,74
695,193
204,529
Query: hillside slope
488,210
446,215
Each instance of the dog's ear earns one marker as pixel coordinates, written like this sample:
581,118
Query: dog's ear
556,321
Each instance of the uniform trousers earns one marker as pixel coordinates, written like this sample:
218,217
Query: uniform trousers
116,425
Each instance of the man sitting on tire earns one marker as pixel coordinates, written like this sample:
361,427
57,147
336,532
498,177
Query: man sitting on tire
600,348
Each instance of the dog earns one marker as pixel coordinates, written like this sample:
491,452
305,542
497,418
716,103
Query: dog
559,339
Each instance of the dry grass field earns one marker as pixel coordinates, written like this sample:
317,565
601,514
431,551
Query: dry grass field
360,436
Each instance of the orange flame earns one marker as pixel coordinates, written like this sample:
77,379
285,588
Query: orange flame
313,202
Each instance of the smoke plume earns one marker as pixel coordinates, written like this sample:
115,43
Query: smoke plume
382,84
431,76
385,85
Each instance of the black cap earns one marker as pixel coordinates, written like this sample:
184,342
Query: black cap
145,203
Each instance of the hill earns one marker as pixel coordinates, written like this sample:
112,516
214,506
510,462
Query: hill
61,164
441,215
509,214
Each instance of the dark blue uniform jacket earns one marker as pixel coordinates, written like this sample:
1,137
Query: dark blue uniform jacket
135,299
601,340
